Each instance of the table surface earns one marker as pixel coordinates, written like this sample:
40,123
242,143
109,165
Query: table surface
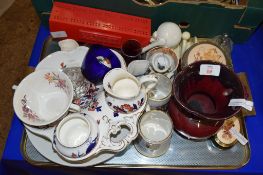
247,57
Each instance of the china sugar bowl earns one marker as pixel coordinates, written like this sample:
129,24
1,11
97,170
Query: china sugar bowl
73,139
224,139
75,136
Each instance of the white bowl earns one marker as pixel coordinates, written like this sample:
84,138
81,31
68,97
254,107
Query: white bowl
43,97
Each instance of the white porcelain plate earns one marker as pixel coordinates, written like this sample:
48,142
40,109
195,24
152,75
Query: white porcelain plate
44,147
108,122
62,59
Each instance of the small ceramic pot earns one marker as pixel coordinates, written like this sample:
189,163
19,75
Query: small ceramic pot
124,92
160,95
138,67
44,97
155,133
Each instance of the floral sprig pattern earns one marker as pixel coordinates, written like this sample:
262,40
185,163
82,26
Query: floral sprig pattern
27,112
54,78
105,61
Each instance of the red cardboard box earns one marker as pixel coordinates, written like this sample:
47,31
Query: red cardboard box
95,26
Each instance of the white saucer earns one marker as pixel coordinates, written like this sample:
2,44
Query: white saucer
61,59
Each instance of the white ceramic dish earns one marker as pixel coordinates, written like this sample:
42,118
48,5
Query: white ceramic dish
61,59
44,147
109,124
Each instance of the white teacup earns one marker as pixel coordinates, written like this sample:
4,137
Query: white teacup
162,60
160,95
155,132
124,92
43,97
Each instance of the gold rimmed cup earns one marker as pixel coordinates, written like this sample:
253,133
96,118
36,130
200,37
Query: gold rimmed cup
159,96
155,133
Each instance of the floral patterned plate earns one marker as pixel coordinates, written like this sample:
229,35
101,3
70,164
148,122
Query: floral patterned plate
64,59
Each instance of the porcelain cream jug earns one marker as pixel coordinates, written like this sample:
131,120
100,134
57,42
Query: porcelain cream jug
124,92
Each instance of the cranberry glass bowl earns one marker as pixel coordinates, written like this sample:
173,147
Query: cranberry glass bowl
204,98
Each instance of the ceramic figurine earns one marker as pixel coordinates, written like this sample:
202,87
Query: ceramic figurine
185,38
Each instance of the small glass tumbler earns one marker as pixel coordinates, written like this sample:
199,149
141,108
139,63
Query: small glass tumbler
131,50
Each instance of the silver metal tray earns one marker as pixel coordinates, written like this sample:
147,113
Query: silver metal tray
182,154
